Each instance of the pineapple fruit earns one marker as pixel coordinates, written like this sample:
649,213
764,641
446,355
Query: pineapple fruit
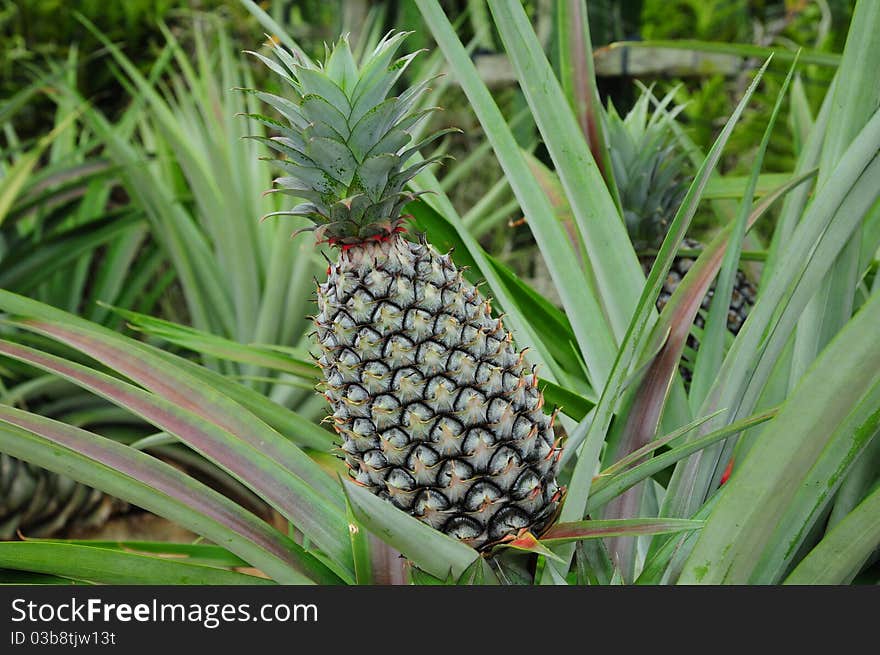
436,411
39,503
649,172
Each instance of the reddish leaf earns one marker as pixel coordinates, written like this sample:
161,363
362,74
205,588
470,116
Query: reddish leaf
577,530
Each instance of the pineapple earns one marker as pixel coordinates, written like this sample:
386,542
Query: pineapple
648,170
38,503
436,411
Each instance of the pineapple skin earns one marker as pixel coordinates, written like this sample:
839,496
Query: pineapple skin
741,301
436,410
41,504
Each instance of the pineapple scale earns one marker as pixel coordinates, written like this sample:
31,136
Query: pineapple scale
436,410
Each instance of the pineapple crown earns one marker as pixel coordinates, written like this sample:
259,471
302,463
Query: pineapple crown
648,167
347,142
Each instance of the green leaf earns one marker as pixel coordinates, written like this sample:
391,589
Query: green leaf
28,268
430,550
758,494
360,548
838,557
834,213
712,342
207,554
738,49
856,99
277,30
563,533
846,448
616,268
637,339
153,485
372,175
149,367
113,567
578,79
593,334
16,177
280,487
606,487
220,347
569,402
734,186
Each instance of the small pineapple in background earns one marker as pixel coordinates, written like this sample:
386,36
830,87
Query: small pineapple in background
649,169
435,409
38,503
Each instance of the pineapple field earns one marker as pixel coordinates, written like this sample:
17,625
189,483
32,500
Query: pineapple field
461,292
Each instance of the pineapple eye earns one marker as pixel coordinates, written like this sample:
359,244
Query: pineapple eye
446,435
417,419
478,439
375,459
419,323
542,449
526,484
471,406
462,366
377,282
356,395
375,377
505,458
363,427
349,358
463,527
421,457
454,302
398,351
402,289
407,384
480,495
428,296
395,438
399,480
439,393
388,317
385,411
522,429
431,358
490,378
508,520
360,306
431,506
448,329
499,410
453,473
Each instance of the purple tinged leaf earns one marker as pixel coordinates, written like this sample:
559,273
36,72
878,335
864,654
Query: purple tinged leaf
144,480
285,491
576,530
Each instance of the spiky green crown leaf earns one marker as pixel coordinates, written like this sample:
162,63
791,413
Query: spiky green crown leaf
648,167
347,142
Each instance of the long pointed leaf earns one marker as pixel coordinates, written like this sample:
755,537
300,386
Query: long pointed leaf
429,549
283,490
837,558
153,485
108,567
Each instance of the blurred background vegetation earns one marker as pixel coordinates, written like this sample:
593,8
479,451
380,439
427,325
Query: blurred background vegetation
124,179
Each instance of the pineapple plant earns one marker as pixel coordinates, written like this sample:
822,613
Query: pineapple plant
436,410
649,170
800,507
